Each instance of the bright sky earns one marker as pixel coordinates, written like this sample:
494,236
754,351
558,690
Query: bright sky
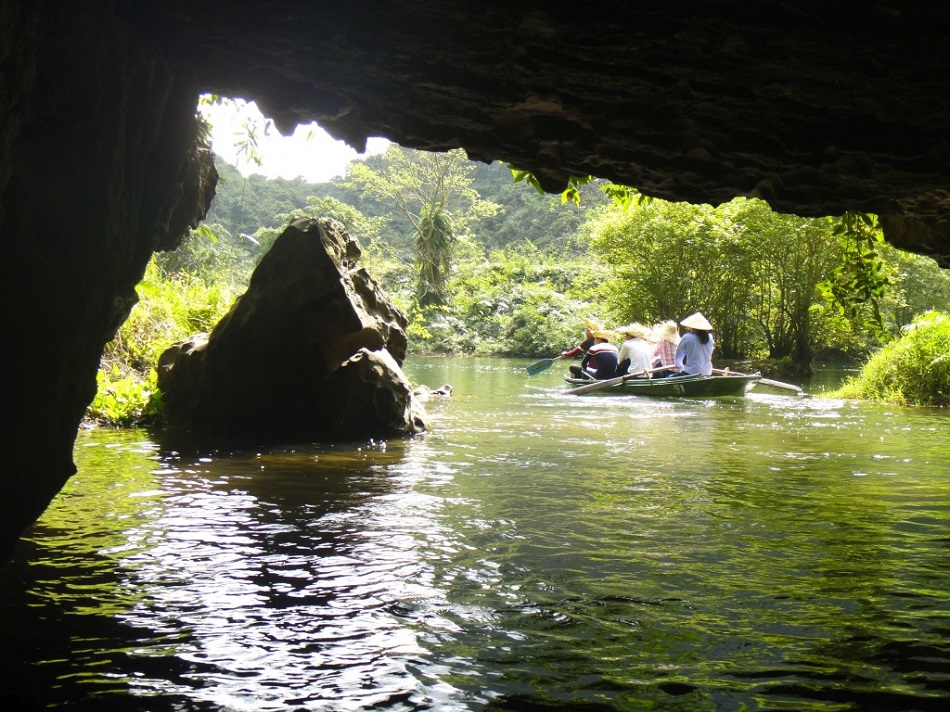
310,152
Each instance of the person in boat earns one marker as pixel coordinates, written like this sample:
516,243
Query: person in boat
590,326
599,360
695,349
635,354
667,337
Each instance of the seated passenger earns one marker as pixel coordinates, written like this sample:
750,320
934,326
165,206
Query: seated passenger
635,355
600,361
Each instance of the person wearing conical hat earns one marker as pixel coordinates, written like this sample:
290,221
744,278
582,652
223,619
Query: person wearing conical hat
600,359
694,351
635,354
667,337
590,326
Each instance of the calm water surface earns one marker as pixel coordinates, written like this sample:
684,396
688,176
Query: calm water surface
536,551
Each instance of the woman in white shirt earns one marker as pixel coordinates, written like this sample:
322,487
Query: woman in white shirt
635,355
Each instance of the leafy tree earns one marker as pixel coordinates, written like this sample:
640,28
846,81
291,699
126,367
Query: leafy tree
433,195
791,255
860,279
917,285
659,256
753,272
214,253
242,205
515,302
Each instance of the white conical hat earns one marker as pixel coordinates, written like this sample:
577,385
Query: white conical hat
696,321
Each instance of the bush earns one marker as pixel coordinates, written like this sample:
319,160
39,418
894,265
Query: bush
912,370
125,401
512,303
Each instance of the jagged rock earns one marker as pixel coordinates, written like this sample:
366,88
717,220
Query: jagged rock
312,351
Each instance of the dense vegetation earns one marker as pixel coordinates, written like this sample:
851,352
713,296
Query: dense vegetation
486,265
911,370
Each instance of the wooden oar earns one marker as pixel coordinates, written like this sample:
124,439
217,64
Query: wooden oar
542,365
765,381
779,384
608,382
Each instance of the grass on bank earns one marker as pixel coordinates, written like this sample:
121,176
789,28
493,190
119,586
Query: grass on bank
913,370
170,308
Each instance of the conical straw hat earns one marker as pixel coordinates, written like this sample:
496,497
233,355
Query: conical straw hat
696,321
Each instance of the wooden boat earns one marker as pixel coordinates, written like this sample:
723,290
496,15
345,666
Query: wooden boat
731,384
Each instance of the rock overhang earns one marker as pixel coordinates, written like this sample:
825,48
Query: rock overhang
818,108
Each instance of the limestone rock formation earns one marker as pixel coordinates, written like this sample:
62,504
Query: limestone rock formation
311,351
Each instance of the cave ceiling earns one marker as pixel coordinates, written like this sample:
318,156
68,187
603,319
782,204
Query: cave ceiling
818,108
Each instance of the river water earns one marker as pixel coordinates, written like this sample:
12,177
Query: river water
535,551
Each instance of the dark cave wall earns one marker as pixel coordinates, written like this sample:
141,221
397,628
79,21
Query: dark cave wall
97,166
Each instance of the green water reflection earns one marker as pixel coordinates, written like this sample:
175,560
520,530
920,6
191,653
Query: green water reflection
534,551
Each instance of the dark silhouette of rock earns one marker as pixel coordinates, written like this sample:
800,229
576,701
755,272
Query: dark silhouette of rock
312,351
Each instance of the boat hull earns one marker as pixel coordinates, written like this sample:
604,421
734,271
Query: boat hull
680,386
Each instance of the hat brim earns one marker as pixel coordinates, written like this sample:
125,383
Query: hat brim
697,321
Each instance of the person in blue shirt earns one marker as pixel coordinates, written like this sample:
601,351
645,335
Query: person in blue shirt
695,349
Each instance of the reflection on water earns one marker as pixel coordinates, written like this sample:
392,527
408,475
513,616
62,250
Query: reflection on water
535,551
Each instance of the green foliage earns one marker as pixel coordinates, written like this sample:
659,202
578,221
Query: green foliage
911,370
512,303
125,401
917,285
434,196
761,277
242,206
623,196
213,252
434,242
171,308
526,176
660,257
860,278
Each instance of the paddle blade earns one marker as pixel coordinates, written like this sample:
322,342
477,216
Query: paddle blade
779,384
538,366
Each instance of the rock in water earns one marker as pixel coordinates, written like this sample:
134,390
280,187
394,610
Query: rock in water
312,351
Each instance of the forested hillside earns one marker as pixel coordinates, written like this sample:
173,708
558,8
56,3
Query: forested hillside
245,205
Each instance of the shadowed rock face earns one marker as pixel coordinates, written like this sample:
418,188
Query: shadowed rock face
311,351
816,107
